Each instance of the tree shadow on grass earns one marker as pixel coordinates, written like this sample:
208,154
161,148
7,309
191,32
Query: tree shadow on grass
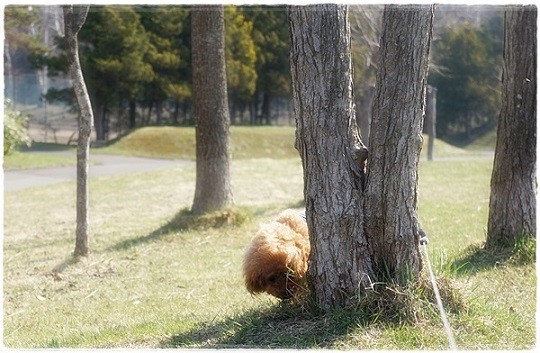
476,258
69,261
302,326
47,147
185,220
276,327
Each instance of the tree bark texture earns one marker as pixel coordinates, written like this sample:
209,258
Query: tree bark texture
331,151
73,21
395,142
512,207
213,184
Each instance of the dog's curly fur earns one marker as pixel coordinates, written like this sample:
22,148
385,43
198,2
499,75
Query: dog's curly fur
277,260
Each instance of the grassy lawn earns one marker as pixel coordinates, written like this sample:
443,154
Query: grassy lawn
163,142
22,160
179,142
155,280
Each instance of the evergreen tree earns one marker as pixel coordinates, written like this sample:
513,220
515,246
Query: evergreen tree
114,56
272,41
468,91
169,55
240,57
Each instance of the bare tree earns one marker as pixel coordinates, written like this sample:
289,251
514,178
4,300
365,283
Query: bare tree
512,206
356,229
213,188
74,18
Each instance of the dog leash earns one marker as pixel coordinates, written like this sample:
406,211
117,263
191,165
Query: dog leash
451,340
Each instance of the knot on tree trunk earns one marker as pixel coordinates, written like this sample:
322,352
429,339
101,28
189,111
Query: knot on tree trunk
359,155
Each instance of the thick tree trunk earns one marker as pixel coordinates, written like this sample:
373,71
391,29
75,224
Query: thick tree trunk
360,233
73,22
395,142
213,188
331,152
512,207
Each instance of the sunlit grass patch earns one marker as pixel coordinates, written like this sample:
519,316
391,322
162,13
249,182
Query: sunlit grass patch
133,286
21,160
162,142
228,217
296,325
157,277
179,142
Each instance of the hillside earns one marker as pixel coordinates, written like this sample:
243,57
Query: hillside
179,142
246,142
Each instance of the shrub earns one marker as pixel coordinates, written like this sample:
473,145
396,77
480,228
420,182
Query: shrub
15,133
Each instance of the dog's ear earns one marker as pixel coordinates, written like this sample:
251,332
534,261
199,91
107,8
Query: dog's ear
254,283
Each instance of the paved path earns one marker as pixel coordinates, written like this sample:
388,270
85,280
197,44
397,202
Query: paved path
103,165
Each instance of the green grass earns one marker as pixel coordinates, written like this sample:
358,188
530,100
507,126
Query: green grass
165,142
21,160
179,142
158,277
485,142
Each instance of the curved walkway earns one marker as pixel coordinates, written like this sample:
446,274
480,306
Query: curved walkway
105,165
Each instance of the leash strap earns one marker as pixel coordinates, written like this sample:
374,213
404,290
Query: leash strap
447,328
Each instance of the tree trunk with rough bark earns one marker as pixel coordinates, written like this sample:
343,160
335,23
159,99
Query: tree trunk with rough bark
213,188
74,19
396,141
331,151
512,206
356,232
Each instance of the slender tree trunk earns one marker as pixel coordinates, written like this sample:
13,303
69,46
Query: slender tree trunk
213,188
331,151
512,206
396,140
253,110
99,120
73,21
431,119
175,112
132,114
148,119
159,113
265,108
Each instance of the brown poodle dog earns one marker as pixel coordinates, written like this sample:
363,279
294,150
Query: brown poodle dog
277,260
